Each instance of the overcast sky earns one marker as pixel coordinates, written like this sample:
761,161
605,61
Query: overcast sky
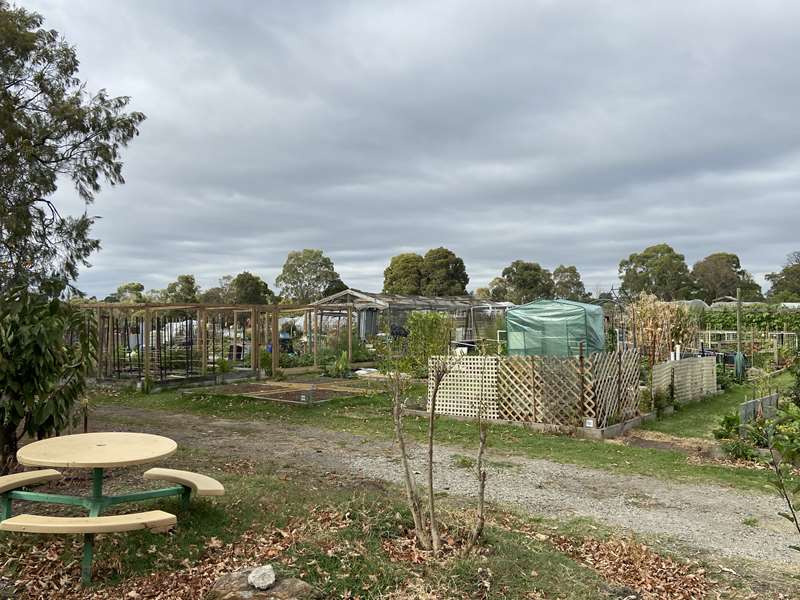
552,131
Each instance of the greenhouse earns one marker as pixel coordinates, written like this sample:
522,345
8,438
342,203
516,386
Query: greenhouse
555,328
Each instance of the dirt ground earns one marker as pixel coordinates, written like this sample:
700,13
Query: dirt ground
701,520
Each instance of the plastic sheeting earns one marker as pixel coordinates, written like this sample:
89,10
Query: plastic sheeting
554,328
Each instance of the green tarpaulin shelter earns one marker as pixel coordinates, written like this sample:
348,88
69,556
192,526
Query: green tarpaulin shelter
554,328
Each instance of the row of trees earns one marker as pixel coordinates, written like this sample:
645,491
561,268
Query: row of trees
307,275
524,281
662,271
658,270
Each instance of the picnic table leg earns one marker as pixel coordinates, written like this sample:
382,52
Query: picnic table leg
97,492
86,563
88,538
5,507
186,496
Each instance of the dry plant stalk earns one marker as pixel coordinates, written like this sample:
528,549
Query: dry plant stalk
659,326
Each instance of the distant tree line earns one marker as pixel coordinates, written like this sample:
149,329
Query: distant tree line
658,270
309,275
662,271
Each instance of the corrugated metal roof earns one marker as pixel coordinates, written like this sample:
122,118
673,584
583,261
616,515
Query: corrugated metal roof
381,300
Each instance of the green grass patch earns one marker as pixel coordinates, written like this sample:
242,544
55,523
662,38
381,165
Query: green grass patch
340,548
699,419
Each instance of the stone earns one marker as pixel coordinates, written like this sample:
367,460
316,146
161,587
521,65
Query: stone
236,586
262,578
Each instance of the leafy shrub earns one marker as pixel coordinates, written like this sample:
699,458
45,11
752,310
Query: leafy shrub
337,368
728,427
793,393
265,358
645,400
759,317
338,344
725,377
46,348
739,449
428,335
662,400
291,361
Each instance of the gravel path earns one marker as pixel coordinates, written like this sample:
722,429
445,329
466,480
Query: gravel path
707,517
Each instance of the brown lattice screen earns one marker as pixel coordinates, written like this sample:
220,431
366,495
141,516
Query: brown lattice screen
541,389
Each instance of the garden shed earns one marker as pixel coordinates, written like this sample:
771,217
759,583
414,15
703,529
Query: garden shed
474,318
554,328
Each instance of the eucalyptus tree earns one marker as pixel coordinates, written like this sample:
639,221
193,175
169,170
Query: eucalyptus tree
51,128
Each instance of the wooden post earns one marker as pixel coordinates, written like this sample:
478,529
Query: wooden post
235,334
307,330
350,334
98,360
582,367
276,341
315,326
202,335
738,320
254,349
147,342
619,378
533,390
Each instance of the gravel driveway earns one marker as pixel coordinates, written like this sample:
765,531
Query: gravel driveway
707,517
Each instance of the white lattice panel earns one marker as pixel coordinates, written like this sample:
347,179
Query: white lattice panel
469,386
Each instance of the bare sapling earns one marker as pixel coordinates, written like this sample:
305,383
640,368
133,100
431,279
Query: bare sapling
439,369
781,450
480,469
399,385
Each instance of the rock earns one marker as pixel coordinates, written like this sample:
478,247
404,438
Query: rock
262,578
236,586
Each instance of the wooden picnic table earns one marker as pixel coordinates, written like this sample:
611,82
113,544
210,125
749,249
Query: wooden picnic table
97,451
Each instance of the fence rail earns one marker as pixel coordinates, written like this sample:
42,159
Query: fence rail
562,392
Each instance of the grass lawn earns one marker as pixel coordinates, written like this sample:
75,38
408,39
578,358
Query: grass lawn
350,538
371,416
347,538
701,418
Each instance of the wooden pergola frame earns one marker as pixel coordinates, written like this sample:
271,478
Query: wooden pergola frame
311,315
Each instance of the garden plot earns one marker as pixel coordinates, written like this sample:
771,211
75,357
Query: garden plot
294,392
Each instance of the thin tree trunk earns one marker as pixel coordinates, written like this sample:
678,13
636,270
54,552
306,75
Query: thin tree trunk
481,471
435,539
483,430
408,479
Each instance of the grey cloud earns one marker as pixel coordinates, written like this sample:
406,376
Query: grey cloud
560,132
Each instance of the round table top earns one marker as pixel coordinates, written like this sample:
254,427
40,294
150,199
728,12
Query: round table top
96,450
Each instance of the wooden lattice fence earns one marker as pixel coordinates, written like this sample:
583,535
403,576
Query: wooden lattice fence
686,380
561,392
